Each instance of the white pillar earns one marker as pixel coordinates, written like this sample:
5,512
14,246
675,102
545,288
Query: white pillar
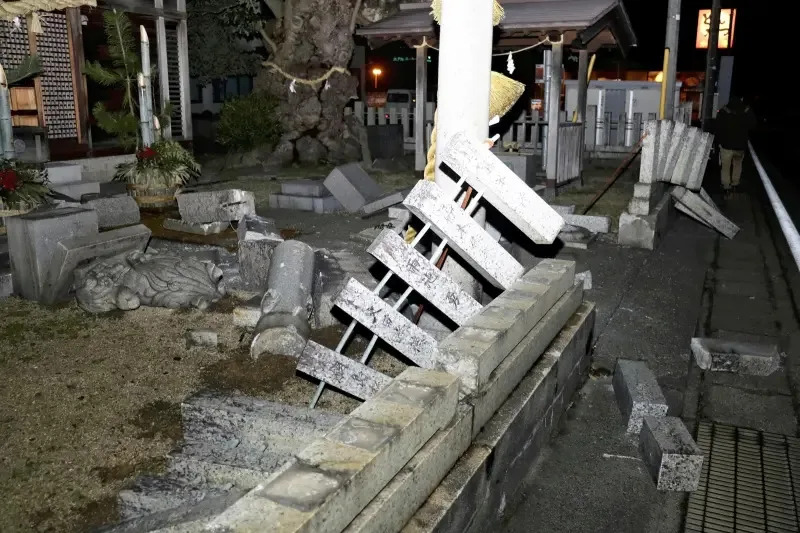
553,115
671,43
547,58
420,157
183,69
465,63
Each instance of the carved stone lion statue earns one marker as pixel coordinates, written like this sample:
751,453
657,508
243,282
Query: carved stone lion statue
127,281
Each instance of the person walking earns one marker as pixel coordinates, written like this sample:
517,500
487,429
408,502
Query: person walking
733,125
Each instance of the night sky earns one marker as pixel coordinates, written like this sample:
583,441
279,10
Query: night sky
758,50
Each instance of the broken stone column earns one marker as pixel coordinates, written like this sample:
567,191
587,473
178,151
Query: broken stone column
283,328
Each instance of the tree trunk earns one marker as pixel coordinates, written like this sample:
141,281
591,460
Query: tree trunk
315,36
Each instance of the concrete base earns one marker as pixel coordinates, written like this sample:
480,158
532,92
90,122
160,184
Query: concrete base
645,231
473,495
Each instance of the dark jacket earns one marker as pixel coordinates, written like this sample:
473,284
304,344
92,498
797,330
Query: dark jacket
733,126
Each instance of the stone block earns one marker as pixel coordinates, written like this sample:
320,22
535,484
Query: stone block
398,212
513,369
697,169
253,422
470,241
683,164
676,145
319,205
705,211
650,155
342,372
475,349
32,241
719,355
384,202
387,323
215,206
577,238
664,140
595,224
386,141
672,457
399,500
76,189
304,187
645,231
63,172
523,165
352,187
248,313
114,211
585,279
417,271
646,197
254,261
71,252
563,209
511,196
202,337
195,228
256,228
638,394
335,477
150,495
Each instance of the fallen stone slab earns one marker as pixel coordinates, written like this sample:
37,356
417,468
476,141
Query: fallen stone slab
683,165
114,211
333,269
335,477
255,258
664,141
76,189
584,278
71,252
563,209
215,206
392,327
32,241
398,212
720,355
595,224
648,167
689,213
288,305
352,187
707,212
473,496
676,145
212,417
195,228
384,202
202,337
638,394
471,242
408,490
474,350
319,205
697,169
417,271
304,187
672,457
256,228
578,238
511,196
150,495
340,371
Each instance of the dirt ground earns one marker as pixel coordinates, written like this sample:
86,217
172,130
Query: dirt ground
90,402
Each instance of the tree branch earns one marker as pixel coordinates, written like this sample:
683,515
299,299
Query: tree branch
268,42
355,16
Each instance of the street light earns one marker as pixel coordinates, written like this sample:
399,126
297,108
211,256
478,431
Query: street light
376,72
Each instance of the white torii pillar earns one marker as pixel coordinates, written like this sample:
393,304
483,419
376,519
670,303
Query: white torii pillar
465,64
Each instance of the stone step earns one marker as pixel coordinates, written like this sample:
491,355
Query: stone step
64,172
155,494
210,417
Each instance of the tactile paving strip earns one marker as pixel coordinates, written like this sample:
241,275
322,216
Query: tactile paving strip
750,482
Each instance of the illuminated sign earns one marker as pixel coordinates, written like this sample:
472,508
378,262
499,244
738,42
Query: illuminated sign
401,59
727,23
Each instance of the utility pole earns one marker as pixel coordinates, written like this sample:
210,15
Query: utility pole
670,59
711,65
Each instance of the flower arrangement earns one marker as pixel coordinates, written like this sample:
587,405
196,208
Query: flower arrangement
165,164
22,187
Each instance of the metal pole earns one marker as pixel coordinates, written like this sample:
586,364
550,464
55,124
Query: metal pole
671,58
553,116
711,65
6,130
547,57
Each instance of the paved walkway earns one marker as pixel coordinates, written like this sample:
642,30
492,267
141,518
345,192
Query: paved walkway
649,305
